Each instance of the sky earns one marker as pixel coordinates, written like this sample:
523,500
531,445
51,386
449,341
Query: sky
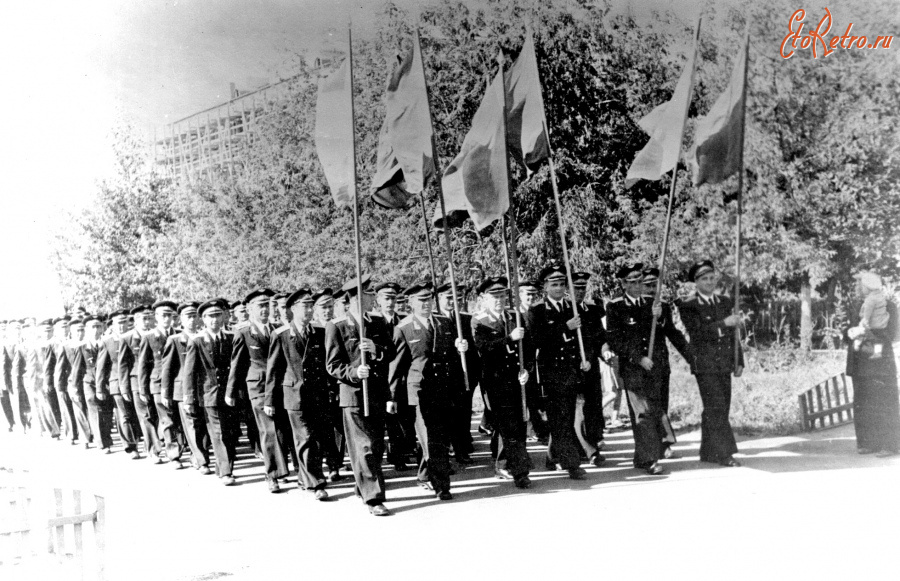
75,69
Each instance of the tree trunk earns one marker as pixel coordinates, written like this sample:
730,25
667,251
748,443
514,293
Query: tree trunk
806,325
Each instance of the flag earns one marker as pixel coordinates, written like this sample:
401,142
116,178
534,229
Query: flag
334,133
475,183
665,125
405,152
526,138
716,154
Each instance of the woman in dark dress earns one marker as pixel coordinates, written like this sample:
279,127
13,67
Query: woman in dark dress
876,406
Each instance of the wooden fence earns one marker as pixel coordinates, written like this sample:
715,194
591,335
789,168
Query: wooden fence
828,404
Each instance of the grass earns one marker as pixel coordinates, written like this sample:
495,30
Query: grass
764,399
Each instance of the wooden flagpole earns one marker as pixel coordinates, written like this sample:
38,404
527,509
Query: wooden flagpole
510,253
440,191
740,208
362,324
434,280
665,244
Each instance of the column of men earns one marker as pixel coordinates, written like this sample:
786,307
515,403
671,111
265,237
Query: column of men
296,369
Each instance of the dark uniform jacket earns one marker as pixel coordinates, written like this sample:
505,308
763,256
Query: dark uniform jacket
62,367
206,369
428,361
342,358
712,341
75,385
108,367
172,373
47,355
549,335
295,371
249,356
84,369
149,361
129,345
628,332
592,330
499,357
8,354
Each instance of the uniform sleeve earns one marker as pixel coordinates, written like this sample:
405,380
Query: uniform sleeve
337,360
145,365
126,362
102,370
675,336
240,365
170,368
400,363
189,380
276,364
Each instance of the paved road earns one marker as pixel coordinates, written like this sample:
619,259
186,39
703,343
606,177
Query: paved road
803,507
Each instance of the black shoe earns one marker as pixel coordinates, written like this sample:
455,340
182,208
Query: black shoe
484,431
551,465
379,510
886,453
523,482
321,494
444,495
400,466
730,462
864,451
425,484
577,473
465,460
335,476
597,459
503,474
655,469
273,486
670,454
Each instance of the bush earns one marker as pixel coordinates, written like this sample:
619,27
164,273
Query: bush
764,399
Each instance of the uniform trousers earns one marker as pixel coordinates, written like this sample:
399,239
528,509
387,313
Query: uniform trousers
100,415
309,428
647,425
53,406
126,422
222,422
193,424
21,408
594,423
66,415
434,423
335,445
508,445
401,433
247,416
365,443
6,405
170,428
537,404
148,421
41,403
82,420
716,440
461,435
876,413
285,436
272,454
561,386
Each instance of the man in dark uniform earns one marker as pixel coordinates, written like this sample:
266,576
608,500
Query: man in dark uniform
62,367
207,362
334,447
247,381
710,321
553,332
628,322
595,347
40,361
401,430
129,347
6,392
149,370
364,433
461,429
100,406
75,383
13,371
296,381
108,381
193,419
427,366
530,295
497,339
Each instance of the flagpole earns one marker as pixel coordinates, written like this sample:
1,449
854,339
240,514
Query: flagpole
665,244
510,254
362,324
440,192
740,209
434,280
